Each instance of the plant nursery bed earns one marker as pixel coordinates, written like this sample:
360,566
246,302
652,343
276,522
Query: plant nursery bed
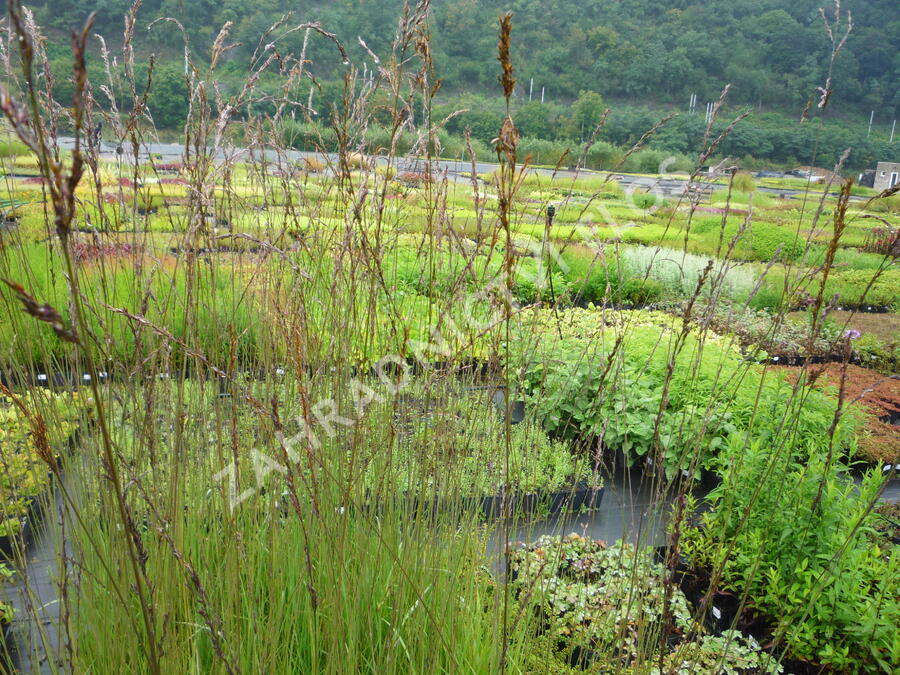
797,360
576,586
7,645
882,325
879,395
583,497
722,610
10,544
578,499
858,308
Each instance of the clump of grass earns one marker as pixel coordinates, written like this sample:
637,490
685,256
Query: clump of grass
256,490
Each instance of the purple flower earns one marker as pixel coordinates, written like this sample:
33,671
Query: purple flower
852,334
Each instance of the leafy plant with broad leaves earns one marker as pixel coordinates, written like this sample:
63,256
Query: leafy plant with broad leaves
796,536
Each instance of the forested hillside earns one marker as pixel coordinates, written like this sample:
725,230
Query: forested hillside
773,51
637,56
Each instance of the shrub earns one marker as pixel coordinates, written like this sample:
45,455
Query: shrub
531,286
800,548
357,160
313,165
644,201
886,205
13,149
641,291
677,274
877,354
743,182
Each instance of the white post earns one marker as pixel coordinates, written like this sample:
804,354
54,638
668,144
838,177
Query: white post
871,119
530,88
893,128
542,94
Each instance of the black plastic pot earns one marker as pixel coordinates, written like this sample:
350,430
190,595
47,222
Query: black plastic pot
505,506
6,647
709,480
10,544
516,406
892,417
554,503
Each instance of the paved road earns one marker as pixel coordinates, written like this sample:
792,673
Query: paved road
668,185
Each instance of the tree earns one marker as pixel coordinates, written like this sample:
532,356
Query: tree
168,100
533,119
586,114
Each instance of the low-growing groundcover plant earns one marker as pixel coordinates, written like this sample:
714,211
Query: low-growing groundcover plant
594,597
794,537
608,608
730,653
462,438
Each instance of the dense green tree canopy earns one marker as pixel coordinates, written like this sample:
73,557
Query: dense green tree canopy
634,55
773,51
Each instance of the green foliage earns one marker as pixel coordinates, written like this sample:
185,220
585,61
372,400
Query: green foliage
743,182
794,535
656,53
586,112
886,205
643,201
25,476
678,274
642,49
856,287
767,240
878,354
221,304
596,596
727,654
711,395
168,100
533,284
642,291
453,444
592,278
13,149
